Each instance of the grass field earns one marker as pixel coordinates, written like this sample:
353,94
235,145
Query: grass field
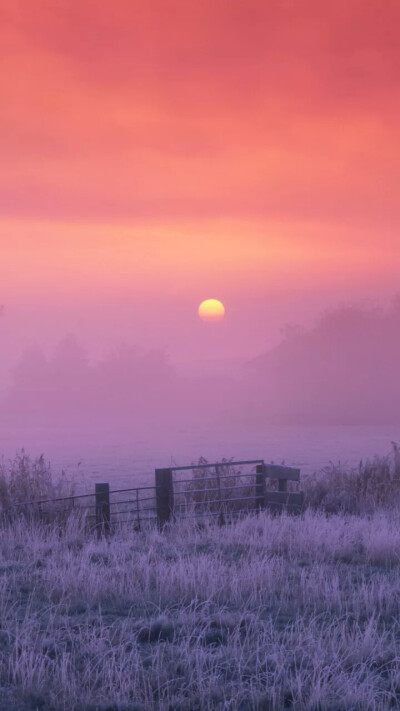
264,613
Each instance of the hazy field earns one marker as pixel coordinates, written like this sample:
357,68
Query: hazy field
266,613
127,456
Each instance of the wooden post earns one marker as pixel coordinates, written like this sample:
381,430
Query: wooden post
260,486
282,484
221,517
102,493
137,527
164,496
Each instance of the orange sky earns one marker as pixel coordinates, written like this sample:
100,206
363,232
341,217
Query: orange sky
169,150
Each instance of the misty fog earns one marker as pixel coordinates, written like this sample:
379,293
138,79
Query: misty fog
341,370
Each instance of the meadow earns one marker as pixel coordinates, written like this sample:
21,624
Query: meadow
265,613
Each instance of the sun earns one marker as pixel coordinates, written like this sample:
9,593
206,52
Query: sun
211,310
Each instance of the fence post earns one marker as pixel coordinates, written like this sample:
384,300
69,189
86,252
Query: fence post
137,526
221,517
164,495
102,493
260,486
282,485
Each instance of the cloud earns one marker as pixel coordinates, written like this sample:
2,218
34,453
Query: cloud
138,111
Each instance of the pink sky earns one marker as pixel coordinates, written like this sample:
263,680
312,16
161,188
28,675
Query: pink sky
154,154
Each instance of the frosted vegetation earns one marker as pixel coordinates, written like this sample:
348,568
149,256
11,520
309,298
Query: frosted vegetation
268,612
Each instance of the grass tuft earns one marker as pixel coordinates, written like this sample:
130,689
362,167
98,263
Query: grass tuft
374,484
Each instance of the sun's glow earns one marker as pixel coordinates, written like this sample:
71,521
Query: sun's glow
211,310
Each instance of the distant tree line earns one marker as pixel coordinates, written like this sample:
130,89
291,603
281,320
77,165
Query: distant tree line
346,369
343,370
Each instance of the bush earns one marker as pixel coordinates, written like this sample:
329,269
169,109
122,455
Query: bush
374,484
26,479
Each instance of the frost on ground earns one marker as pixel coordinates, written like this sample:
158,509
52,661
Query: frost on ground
264,613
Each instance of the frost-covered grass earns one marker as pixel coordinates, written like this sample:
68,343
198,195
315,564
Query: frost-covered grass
264,613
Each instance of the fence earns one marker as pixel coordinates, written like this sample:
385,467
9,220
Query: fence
221,489
102,510
229,490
